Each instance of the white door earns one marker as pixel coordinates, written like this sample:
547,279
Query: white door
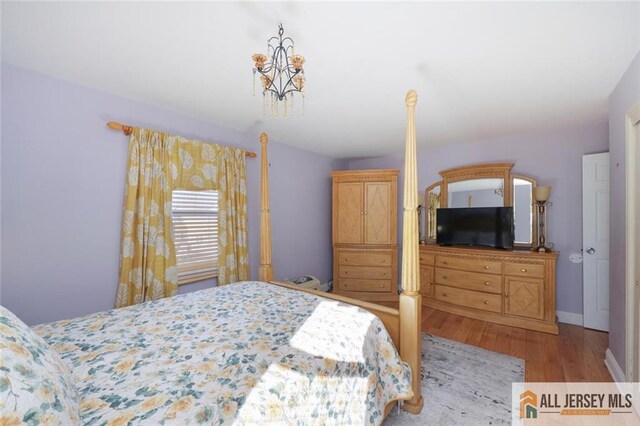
636,278
632,273
595,240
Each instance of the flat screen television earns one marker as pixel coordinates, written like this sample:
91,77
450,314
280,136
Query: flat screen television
476,226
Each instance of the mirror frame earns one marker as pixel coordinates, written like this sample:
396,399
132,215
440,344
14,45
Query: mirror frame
483,171
480,171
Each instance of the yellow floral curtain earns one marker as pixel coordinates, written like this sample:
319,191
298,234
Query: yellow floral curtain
158,163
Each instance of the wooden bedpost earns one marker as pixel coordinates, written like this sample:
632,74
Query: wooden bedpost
410,299
265,272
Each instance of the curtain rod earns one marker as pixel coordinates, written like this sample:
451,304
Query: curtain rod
127,130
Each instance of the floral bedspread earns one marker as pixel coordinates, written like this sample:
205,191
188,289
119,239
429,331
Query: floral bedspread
245,353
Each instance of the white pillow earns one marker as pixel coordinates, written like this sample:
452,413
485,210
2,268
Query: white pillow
36,386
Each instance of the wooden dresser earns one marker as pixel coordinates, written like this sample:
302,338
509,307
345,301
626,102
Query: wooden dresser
365,247
516,288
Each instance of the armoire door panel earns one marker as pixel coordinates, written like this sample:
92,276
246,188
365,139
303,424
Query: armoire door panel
350,213
377,223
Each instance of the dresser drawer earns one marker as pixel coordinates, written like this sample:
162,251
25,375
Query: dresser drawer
427,259
468,264
364,259
374,272
524,270
469,280
470,299
375,286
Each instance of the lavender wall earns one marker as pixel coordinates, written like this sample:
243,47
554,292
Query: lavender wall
626,93
62,186
552,158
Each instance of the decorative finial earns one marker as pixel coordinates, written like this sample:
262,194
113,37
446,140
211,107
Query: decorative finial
263,138
412,98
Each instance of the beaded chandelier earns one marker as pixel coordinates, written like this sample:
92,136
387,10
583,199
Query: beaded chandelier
281,76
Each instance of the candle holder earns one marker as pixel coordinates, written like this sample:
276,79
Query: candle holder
541,197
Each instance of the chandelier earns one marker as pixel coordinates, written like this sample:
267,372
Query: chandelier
281,76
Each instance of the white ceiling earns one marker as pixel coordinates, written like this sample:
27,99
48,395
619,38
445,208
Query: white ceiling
482,70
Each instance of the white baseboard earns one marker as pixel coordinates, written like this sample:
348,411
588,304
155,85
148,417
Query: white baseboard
613,366
570,318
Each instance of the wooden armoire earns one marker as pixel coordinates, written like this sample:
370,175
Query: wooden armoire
365,241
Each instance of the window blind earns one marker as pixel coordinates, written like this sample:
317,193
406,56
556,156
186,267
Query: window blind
195,234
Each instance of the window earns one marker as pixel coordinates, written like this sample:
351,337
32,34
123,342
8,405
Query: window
195,234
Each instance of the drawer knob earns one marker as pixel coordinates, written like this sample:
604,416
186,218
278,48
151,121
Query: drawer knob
487,283
383,273
444,294
381,285
486,302
346,285
487,267
444,276
346,272
382,260
506,295
444,262
346,259
523,270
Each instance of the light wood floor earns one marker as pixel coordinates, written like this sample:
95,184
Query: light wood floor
575,355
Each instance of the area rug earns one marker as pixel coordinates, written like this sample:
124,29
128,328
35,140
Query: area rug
462,385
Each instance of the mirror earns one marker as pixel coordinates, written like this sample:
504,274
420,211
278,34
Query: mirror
431,203
484,185
523,209
476,193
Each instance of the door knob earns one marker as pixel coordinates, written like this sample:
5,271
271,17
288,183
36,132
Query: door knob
591,250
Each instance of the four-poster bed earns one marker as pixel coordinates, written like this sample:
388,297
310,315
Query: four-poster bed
244,353
402,324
